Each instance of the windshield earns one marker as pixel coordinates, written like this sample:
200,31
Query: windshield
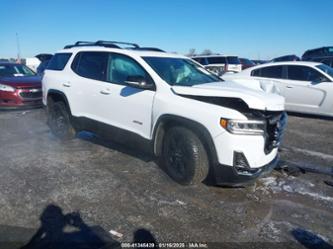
179,71
15,70
326,69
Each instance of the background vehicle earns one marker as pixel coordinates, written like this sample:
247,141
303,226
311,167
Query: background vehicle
323,55
219,64
290,57
191,120
19,87
246,63
44,60
317,52
307,86
258,62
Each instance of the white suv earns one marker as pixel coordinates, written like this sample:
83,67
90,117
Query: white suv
219,64
191,120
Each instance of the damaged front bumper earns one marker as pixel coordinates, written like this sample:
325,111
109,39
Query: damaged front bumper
235,176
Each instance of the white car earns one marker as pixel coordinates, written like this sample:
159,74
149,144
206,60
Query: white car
219,64
306,86
167,103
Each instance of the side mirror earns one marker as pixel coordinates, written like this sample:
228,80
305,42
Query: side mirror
138,81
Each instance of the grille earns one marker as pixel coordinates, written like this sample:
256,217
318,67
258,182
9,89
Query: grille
31,93
275,125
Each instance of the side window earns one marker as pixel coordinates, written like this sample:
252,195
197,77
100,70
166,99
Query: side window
58,61
202,61
216,60
121,67
92,65
255,72
304,74
272,72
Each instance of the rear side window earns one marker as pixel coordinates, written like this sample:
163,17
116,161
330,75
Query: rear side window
58,61
92,65
216,60
233,60
303,73
271,72
201,60
256,73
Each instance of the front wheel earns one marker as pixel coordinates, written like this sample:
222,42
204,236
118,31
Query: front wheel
184,156
59,121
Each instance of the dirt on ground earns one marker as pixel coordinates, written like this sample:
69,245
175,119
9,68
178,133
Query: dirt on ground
92,191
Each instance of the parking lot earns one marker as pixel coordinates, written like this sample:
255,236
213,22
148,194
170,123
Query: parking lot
123,196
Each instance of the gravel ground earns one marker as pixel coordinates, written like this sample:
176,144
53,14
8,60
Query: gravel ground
121,195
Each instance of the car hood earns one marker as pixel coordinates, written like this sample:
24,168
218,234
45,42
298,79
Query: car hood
255,99
22,81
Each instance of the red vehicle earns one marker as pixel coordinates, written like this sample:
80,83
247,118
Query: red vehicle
246,63
19,87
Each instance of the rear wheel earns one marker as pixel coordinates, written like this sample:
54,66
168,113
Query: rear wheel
184,156
59,121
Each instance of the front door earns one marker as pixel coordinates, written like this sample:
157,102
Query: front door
304,89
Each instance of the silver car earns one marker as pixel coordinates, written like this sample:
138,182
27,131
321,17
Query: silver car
306,86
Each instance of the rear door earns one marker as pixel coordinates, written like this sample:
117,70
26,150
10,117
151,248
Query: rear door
233,64
87,85
271,74
102,94
305,90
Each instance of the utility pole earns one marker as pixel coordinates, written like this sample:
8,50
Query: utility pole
18,60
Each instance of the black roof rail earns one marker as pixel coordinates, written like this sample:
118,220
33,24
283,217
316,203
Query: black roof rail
149,49
79,43
112,44
87,43
107,43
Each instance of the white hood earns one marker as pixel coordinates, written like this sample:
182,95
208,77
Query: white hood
255,99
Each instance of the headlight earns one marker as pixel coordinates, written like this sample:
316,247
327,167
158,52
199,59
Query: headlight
6,88
244,127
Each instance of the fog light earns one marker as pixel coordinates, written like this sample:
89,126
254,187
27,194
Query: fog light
240,160
242,166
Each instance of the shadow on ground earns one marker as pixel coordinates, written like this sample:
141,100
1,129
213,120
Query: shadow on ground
68,231
310,240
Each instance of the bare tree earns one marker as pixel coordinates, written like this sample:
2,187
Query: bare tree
191,52
207,52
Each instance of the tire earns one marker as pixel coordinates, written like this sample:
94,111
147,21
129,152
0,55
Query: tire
184,156
59,121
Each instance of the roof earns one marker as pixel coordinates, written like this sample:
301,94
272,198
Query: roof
213,55
9,63
141,53
284,63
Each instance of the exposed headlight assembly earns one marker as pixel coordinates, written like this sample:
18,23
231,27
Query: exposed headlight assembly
6,88
244,127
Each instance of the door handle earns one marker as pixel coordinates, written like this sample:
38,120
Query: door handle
67,84
105,92
289,86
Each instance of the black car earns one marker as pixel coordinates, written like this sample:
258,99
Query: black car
258,62
44,58
246,63
323,55
290,57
